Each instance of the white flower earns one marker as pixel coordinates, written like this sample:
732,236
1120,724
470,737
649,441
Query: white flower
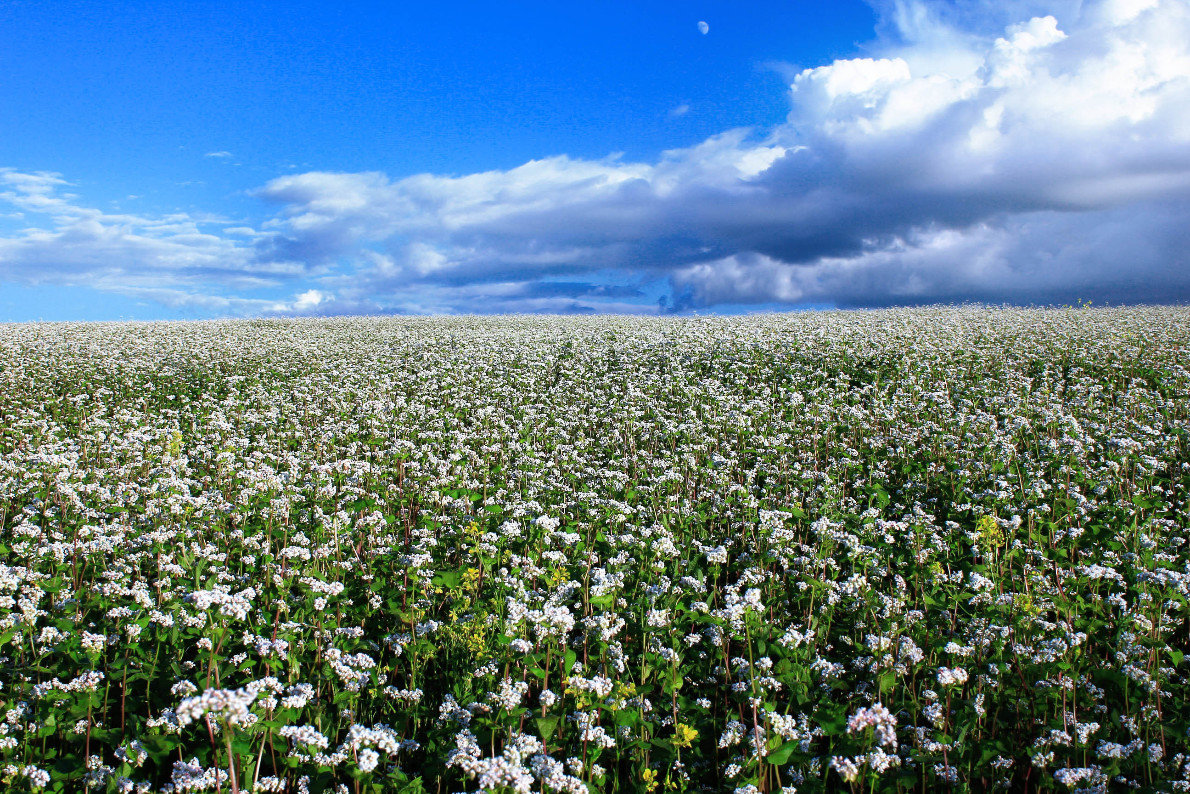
952,676
846,768
368,759
94,643
227,705
878,717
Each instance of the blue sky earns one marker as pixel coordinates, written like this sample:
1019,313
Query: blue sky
239,160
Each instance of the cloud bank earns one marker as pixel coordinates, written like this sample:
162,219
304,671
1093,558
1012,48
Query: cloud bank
176,260
999,151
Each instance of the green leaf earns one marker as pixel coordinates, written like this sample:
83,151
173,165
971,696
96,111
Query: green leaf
832,717
447,578
546,727
781,754
627,717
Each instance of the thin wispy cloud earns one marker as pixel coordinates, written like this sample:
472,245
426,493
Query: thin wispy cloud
177,260
219,155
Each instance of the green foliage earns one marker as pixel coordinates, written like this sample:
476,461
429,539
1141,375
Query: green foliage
885,551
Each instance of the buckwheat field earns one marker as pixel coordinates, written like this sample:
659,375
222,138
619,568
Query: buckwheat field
936,549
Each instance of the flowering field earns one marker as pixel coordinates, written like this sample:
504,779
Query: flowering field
884,551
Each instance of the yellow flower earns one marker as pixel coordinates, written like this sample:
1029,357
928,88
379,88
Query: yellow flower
649,776
684,735
475,637
1024,602
991,536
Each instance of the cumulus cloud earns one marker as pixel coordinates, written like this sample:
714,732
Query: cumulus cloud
1015,150
975,157
308,300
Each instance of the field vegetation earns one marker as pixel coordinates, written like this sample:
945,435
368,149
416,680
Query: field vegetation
930,549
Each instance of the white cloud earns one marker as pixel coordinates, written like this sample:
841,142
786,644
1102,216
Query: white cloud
308,300
175,259
1015,150
220,155
1117,12
35,192
908,175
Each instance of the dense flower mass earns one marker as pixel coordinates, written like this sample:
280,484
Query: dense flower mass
895,550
